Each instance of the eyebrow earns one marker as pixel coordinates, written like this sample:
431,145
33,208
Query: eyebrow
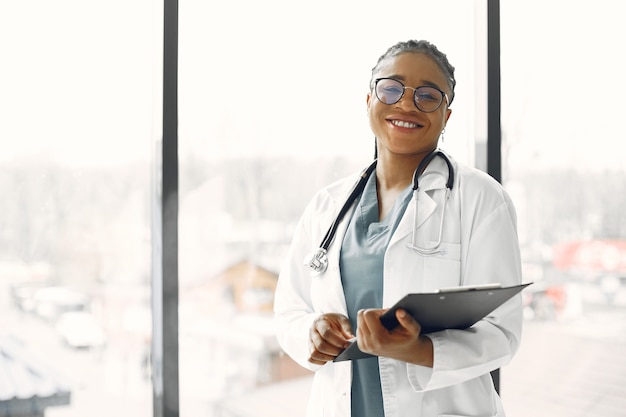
425,82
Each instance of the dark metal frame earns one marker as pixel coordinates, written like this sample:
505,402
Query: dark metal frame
165,380
494,129
165,377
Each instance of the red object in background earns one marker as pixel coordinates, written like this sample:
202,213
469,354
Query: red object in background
593,255
558,295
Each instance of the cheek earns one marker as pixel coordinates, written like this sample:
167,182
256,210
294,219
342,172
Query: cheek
439,121
377,123
375,114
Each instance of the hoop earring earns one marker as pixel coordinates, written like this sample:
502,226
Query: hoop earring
443,139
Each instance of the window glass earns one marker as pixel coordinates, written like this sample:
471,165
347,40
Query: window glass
76,126
563,163
272,107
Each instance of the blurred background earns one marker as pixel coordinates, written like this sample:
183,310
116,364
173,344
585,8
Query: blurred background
271,108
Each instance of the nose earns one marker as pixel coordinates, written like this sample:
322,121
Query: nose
407,101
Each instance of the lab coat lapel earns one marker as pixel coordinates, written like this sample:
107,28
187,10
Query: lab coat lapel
425,209
433,178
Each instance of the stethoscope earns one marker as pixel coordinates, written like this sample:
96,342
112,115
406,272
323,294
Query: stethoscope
318,260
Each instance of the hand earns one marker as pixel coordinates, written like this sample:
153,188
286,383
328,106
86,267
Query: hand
330,334
405,342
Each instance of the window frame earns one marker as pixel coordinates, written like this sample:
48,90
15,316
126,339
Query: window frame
165,347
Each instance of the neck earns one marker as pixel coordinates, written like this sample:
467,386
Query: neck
391,177
394,172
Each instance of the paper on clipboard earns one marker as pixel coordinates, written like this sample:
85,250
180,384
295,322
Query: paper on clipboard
448,308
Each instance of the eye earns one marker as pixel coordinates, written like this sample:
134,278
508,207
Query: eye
389,91
392,90
428,94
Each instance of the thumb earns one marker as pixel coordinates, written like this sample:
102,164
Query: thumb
408,322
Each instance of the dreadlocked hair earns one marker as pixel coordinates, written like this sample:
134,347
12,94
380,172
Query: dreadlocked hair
423,47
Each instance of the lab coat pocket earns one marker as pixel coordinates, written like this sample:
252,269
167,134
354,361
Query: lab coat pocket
443,269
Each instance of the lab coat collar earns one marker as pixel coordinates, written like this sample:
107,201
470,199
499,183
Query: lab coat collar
434,177
425,208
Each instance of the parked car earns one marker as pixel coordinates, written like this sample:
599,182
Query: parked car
80,329
51,302
544,301
23,293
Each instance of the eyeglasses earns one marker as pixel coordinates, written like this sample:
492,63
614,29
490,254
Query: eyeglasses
426,98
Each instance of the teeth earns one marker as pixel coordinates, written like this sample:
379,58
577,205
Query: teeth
400,123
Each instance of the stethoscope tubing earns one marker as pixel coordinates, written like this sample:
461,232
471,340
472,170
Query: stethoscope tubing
318,261
356,191
422,166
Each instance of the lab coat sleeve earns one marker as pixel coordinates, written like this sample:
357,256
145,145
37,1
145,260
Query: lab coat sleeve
293,310
490,255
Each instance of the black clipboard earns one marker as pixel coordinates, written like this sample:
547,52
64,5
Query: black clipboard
448,308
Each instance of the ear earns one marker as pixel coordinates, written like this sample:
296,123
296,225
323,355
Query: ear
368,101
448,114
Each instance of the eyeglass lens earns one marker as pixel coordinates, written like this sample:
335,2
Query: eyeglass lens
390,91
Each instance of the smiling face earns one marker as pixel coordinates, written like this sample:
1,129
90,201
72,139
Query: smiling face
402,129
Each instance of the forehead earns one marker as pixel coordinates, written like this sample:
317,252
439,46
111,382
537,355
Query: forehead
413,68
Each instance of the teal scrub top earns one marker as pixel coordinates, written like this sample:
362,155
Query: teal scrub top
361,264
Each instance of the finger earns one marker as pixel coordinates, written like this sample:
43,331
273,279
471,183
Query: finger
321,352
361,324
324,351
316,362
371,332
408,322
346,328
330,350
371,318
368,322
330,333
319,358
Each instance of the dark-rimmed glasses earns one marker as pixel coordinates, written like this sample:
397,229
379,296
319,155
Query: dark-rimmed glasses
426,98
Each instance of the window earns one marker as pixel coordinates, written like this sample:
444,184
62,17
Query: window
77,125
563,164
272,107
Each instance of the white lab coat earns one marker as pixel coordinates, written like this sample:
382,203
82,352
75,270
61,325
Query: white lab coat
481,246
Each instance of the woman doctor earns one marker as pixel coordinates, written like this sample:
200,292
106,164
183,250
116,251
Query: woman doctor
389,245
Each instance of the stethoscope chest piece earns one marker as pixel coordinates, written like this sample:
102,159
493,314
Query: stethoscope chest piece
317,262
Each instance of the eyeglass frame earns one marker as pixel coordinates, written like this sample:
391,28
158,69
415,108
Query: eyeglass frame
444,95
